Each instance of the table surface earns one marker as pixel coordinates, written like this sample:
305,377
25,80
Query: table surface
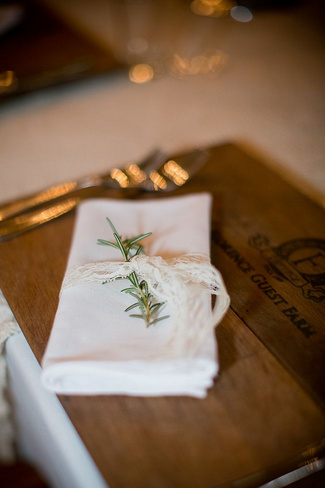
267,100
270,391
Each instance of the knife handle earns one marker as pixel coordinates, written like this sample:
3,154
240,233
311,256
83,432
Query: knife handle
11,209
22,223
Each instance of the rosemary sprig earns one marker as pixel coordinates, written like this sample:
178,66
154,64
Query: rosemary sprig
149,309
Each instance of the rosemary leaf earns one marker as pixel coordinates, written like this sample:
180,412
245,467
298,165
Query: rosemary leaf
139,238
102,242
135,280
139,290
111,226
120,245
159,319
139,250
155,307
128,290
133,295
131,307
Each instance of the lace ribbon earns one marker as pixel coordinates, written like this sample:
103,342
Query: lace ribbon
177,281
8,327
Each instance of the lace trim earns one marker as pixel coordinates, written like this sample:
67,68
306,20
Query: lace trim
8,327
175,280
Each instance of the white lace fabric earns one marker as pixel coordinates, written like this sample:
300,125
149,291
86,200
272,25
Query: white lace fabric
95,347
175,281
8,327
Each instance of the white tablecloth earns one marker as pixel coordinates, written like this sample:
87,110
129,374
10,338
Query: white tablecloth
270,97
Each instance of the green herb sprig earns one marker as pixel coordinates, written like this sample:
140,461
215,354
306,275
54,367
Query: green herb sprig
139,289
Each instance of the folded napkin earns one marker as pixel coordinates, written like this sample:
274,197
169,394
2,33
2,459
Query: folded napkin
95,347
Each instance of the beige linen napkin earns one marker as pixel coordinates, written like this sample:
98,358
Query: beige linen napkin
95,347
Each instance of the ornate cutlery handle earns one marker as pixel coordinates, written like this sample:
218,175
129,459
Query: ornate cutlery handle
151,161
21,223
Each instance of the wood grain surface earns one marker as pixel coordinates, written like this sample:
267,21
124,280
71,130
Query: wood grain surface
264,415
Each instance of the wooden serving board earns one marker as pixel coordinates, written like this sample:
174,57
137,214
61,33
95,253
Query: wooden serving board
264,415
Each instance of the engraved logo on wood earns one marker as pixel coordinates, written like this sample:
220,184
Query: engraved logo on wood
299,261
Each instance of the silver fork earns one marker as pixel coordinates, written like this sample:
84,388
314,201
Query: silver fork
172,174
128,176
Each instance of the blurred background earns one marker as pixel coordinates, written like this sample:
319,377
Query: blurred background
85,85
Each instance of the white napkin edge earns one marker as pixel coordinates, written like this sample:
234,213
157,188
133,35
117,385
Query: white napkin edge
183,377
56,376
